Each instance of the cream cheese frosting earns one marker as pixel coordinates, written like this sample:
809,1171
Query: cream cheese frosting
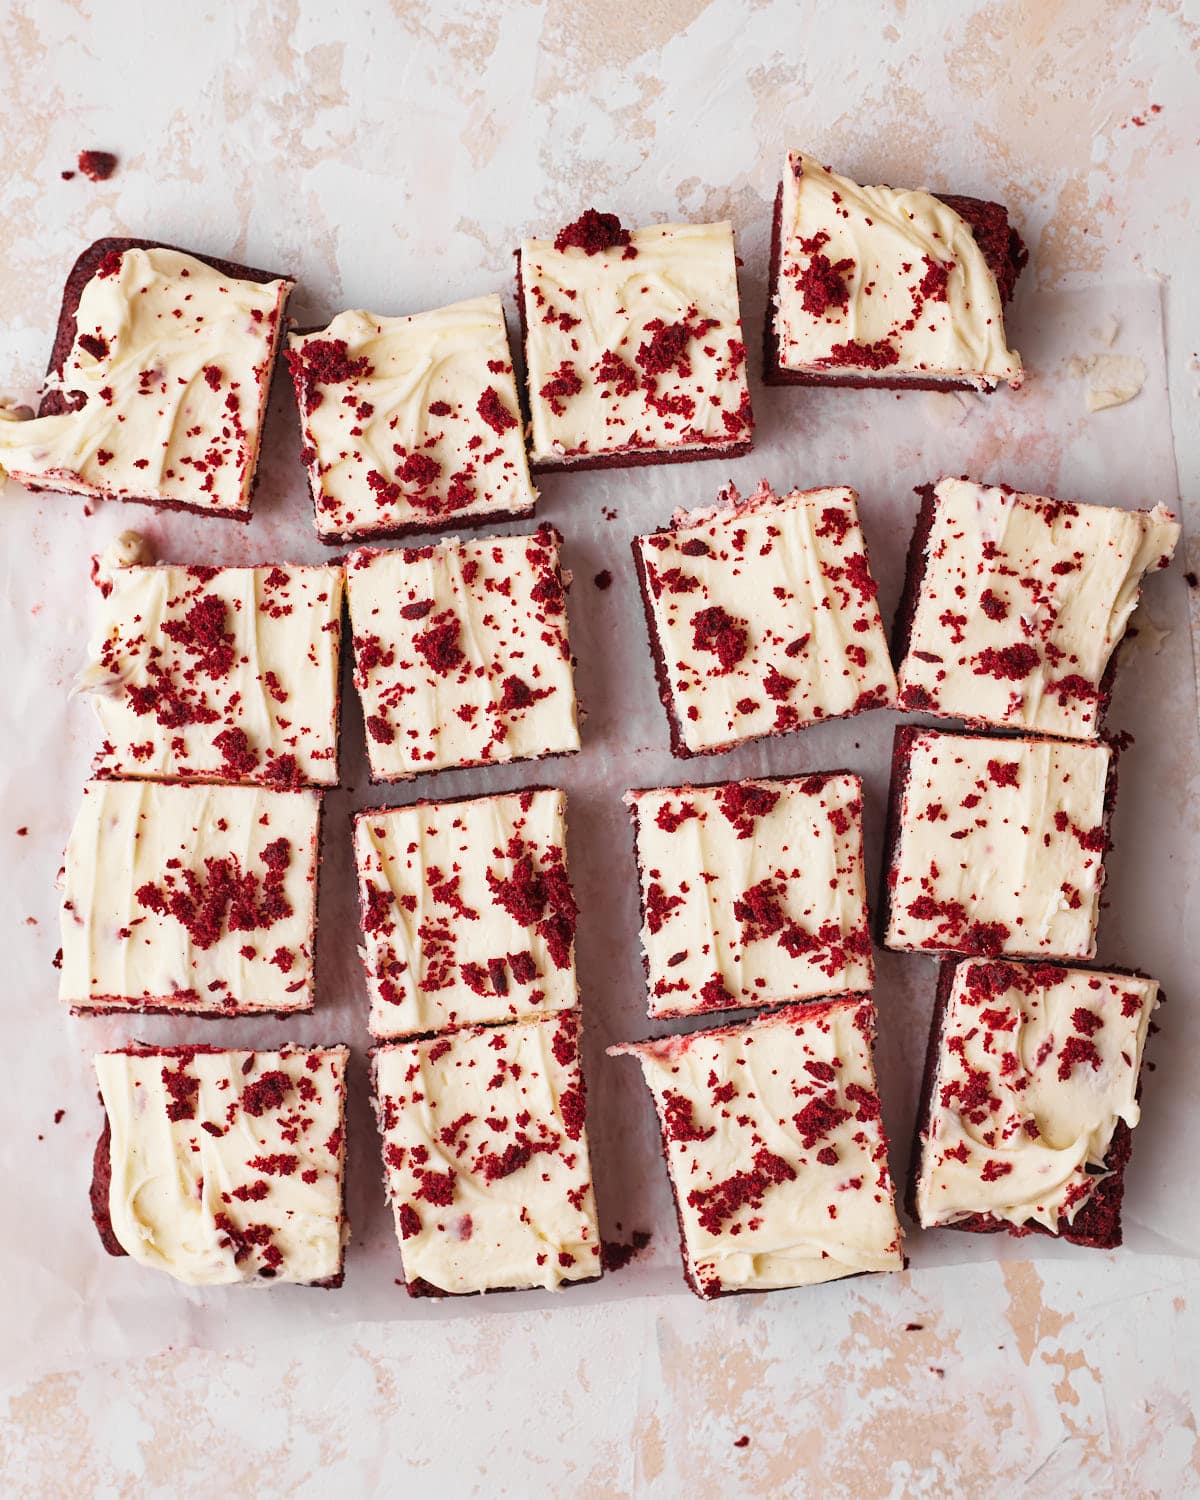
635,347
128,549
226,674
227,1167
410,422
197,899
876,282
486,1158
461,654
753,892
1023,600
776,1148
1036,1067
467,911
169,372
1000,845
765,616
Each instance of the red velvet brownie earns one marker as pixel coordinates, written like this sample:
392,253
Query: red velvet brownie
1015,605
486,1158
411,423
763,617
874,286
633,344
995,845
224,1167
199,900
218,674
467,911
753,892
461,654
776,1149
1030,1096
158,381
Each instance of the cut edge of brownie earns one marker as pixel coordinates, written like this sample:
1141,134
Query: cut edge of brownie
1097,1225
857,997
53,402
902,743
618,458
999,243
101,1181
417,1286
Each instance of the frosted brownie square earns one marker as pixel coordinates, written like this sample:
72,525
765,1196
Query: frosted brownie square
461,654
218,674
158,381
996,845
753,892
763,617
411,423
199,900
486,1158
875,286
775,1147
633,344
1015,605
1031,1095
467,911
222,1167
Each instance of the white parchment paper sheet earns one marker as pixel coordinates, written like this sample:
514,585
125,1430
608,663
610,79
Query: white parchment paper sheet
62,1299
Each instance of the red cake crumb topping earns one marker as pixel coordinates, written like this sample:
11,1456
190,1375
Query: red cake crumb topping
722,1201
561,386
1010,663
857,355
266,1093
96,166
439,645
742,803
824,286
615,1256
593,233
715,630
325,362
494,412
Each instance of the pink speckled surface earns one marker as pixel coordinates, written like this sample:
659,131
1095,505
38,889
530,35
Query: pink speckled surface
392,157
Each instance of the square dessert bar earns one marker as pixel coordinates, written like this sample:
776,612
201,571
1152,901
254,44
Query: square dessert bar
1030,1097
1015,605
411,423
461,654
995,845
486,1158
467,911
874,286
775,1147
633,344
196,900
753,892
158,381
218,674
224,1167
763,617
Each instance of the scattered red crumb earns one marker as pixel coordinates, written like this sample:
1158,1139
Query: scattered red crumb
494,412
615,1256
715,630
603,579
593,233
743,1441
97,166
22,832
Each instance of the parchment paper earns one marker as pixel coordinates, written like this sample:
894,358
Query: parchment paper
62,1299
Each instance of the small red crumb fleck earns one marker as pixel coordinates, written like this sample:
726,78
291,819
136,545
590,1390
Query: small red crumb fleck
603,579
743,1441
98,166
22,832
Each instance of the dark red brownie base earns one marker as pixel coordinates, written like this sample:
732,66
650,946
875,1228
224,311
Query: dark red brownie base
901,751
54,401
916,567
1001,246
102,1171
627,458
1096,1225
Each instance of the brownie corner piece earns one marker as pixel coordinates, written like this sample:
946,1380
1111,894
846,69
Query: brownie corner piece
1027,1138
763,617
872,286
158,381
656,371
486,1159
268,1126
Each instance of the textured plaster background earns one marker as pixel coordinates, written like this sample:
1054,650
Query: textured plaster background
392,156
